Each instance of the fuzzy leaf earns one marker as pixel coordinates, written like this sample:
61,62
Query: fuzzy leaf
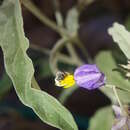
122,37
113,77
72,21
20,69
102,120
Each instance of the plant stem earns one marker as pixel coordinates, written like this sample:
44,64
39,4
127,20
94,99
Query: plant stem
123,89
66,59
75,58
58,15
117,97
62,31
61,57
83,3
74,55
113,87
42,50
66,93
81,46
53,54
42,17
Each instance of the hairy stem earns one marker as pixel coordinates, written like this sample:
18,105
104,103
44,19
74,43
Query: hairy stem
117,97
122,89
66,93
81,46
42,17
45,20
53,54
113,87
42,50
61,57
74,55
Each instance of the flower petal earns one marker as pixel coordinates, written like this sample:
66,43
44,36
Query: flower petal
119,124
87,68
89,77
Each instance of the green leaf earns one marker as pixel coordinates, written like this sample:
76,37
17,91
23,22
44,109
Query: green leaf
71,22
122,37
102,120
20,69
112,77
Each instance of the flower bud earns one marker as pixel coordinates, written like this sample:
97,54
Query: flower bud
89,76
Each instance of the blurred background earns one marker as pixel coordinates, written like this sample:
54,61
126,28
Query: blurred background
95,18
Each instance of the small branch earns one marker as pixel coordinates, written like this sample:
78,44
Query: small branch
56,5
81,46
53,54
74,60
58,15
42,17
61,57
45,20
83,3
66,93
42,50
123,89
116,94
117,97
74,55
66,59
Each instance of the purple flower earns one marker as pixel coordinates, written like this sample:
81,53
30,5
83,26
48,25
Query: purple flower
122,121
89,76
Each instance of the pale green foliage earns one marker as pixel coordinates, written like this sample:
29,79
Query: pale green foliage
113,77
106,62
72,24
122,37
20,69
102,120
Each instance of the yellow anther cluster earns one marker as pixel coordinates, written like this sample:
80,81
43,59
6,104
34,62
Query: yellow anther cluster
64,79
68,81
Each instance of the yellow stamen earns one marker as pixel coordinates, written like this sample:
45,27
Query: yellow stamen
68,81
